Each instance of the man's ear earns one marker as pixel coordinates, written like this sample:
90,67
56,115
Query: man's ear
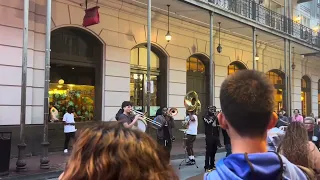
273,120
222,121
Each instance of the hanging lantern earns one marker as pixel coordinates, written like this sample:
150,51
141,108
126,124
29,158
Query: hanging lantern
91,16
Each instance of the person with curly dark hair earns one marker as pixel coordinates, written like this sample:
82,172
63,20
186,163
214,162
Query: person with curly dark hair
109,152
247,104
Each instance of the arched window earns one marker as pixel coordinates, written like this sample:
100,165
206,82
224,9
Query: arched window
138,79
235,66
277,79
194,64
306,95
76,73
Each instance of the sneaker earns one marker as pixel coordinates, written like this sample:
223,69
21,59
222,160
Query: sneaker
190,162
65,151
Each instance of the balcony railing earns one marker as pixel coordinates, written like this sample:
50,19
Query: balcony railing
264,16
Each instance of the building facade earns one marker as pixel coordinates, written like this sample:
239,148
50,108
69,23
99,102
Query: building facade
94,69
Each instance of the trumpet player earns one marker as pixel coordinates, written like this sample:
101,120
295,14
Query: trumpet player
212,137
164,132
123,115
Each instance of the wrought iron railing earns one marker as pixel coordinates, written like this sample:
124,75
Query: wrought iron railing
251,10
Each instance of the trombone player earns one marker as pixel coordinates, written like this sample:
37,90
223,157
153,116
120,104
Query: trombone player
164,132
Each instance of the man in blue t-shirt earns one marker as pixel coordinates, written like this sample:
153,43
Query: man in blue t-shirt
247,103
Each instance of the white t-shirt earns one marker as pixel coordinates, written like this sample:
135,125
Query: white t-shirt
193,126
69,118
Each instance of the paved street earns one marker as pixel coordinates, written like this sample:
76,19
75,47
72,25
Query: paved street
187,171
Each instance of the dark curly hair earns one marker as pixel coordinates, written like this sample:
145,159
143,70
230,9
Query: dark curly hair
247,102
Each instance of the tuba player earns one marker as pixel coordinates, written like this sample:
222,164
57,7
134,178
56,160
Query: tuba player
191,132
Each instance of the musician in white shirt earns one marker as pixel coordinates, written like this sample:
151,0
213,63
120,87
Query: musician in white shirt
191,135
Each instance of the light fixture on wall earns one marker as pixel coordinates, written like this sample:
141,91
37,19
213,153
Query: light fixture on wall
219,48
257,56
297,19
293,66
61,81
168,36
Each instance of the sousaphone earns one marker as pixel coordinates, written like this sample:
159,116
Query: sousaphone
192,102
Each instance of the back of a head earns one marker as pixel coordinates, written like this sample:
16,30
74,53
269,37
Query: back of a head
110,152
247,102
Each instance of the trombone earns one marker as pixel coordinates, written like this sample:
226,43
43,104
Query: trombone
135,112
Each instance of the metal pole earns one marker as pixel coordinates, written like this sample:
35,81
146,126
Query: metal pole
21,163
44,160
254,48
285,11
290,80
285,8
211,65
148,56
286,63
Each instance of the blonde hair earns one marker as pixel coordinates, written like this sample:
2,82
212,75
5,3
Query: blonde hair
109,152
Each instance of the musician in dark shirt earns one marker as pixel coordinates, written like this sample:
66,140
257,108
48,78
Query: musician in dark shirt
212,137
164,133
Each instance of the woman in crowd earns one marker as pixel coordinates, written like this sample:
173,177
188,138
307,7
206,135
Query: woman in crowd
297,116
296,147
110,152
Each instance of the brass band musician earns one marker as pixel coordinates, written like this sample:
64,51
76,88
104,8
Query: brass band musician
124,117
164,133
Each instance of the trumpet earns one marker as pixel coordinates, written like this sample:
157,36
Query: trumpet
173,111
135,112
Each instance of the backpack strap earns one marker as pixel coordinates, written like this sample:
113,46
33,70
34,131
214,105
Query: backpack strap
310,174
280,177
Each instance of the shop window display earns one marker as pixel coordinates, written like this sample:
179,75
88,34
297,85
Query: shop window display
80,97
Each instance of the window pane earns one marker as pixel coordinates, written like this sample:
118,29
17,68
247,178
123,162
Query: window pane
136,89
201,67
193,64
81,97
143,58
134,56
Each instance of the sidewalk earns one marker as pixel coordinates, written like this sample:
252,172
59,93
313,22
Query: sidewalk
58,160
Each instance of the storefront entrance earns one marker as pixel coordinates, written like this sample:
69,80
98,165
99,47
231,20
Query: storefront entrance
75,79
138,79
198,81
76,73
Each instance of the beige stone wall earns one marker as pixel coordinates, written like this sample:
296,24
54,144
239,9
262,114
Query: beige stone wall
122,27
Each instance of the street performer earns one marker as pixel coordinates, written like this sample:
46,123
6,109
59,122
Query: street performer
124,115
164,133
192,131
212,137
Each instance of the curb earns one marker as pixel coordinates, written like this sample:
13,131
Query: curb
38,176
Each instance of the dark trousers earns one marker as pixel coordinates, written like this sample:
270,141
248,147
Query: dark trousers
167,145
189,144
68,136
211,150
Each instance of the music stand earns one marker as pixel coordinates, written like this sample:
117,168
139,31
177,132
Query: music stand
185,150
